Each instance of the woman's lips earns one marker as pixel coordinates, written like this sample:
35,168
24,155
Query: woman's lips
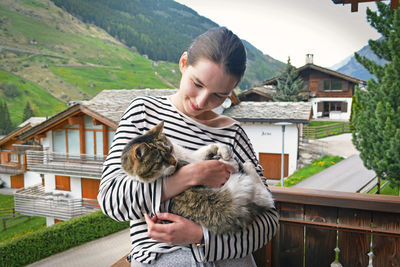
193,106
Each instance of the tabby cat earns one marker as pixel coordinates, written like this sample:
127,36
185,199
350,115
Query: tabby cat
221,210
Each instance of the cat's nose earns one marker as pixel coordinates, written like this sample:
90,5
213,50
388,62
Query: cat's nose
172,161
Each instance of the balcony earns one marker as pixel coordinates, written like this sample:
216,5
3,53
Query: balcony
80,165
33,201
13,169
314,222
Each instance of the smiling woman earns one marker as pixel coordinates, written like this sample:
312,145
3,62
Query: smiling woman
211,68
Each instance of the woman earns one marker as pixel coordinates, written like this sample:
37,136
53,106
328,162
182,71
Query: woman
211,68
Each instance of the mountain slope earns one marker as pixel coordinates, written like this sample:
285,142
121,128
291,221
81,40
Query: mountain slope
355,69
45,48
52,51
161,30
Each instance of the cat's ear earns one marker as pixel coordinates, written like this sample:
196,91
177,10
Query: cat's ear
157,130
140,151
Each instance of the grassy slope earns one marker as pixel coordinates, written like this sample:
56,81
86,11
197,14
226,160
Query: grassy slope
74,61
42,102
36,223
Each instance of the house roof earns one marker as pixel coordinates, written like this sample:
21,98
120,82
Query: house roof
29,123
266,92
107,107
297,112
112,104
309,66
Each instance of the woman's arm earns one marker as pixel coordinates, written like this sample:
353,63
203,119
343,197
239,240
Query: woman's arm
120,197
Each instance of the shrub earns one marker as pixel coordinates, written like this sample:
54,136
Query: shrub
57,238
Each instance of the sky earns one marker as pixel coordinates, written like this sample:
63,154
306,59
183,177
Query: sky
293,28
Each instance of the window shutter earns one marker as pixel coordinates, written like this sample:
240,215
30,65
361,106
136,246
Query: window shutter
321,85
344,106
345,86
320,107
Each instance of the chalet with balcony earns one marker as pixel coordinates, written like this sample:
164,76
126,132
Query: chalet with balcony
74,144
13,159
330,92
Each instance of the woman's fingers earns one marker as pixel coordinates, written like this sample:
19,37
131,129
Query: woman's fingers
178,231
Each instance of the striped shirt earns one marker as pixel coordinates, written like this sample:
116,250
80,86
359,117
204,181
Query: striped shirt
123,199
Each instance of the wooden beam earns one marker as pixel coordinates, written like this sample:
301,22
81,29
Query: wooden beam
96,122
105,139
75,120
82,139
394,4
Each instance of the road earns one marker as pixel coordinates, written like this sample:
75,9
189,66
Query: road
349,175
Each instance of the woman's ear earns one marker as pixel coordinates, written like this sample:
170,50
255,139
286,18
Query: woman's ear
183,61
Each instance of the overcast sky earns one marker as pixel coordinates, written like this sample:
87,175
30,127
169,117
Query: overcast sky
282,28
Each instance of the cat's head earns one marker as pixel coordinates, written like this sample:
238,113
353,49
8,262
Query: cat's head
150,156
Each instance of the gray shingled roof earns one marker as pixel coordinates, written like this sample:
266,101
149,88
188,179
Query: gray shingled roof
270,111
112,103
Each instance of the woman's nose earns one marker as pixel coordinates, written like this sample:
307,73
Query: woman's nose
201,99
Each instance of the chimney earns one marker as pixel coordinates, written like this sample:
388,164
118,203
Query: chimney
309,58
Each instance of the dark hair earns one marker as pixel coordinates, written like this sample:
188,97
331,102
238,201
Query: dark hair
222,47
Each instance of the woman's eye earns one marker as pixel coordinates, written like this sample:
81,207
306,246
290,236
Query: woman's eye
197,85
219,96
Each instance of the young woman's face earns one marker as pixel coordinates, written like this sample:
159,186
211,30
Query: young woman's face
204,86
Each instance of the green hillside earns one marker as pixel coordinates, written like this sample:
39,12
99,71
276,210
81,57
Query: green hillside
162,30
59,58
17,91
46,51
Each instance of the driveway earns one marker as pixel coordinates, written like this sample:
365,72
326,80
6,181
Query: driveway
349,175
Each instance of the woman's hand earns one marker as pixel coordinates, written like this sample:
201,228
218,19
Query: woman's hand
180,231
210,173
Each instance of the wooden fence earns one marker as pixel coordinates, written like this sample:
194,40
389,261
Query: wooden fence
314,132
314,222
10,218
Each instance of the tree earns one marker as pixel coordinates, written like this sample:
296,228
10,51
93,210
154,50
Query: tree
376,115
28,112
5,122
289,86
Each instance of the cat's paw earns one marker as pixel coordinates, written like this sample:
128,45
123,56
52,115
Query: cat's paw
224,152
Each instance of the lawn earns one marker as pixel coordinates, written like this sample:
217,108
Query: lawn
34,224
387,190
321,123
316,166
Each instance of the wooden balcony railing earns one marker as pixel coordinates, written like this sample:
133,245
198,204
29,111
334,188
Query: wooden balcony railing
82,165
33,201
12,169
314,222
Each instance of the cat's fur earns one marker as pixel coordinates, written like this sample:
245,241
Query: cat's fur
221,210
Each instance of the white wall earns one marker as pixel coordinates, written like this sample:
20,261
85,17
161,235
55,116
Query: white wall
31,179
6,178
334,115
75,182
267,138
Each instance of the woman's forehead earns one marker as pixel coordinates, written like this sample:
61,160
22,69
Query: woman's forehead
212,76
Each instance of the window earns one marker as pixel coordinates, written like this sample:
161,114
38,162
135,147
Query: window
333,85
63,183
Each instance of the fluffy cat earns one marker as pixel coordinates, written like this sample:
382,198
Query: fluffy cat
221,210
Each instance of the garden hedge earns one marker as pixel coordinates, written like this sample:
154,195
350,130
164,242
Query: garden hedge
57,238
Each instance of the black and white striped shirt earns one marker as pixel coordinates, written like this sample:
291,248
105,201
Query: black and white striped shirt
123,199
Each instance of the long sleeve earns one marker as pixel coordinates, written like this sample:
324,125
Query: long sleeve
255,236
120,197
